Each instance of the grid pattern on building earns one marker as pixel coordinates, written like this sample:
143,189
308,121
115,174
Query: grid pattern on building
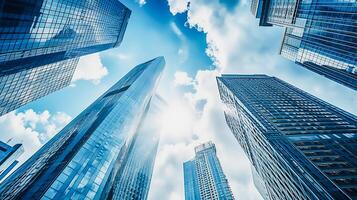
329,32
41,40
192,190
8,158
322,32
338,75
302,147
26,86
208,189
344,73
204,177
82,160
281,12
255,7
58,28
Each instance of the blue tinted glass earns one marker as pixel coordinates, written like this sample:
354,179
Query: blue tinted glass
300,147
84,159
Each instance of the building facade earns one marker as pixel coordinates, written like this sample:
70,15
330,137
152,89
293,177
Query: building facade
8,158
299,146
319,34
204,177
84,159
135,178
41,42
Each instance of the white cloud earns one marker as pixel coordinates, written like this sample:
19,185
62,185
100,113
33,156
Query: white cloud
141,2
182,79
185,127
176,30
167,181
178,6
31,129
90,68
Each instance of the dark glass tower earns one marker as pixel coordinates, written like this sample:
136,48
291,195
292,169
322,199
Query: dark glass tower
135,177
204,177
320,34
41,41
300,146
84,159
8,157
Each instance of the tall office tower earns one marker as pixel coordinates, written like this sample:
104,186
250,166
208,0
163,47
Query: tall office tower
204,177
41,42
320,34
8,157
83,160
135,178
300,146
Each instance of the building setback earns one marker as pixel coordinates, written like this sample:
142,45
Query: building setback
8,157
41,42
319,35
300,147
204,177
84,159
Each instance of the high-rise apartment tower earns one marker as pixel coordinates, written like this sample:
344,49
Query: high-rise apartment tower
320,35
204,177
300,147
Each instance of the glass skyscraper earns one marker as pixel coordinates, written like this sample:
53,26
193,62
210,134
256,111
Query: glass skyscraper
41,42
320,34
204,177
300,147
84,160
8,157
135,178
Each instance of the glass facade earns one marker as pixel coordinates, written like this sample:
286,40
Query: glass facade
25,86
134,180
8,158
40,37
320,35
204,177
300,146
83,160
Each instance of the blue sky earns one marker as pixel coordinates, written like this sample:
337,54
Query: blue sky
199,42
150,33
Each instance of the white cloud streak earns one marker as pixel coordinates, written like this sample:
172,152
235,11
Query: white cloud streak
183,51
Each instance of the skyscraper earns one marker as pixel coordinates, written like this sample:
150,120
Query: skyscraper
300,146
135,178
8,157
41,42
319,35
204,177
83,160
